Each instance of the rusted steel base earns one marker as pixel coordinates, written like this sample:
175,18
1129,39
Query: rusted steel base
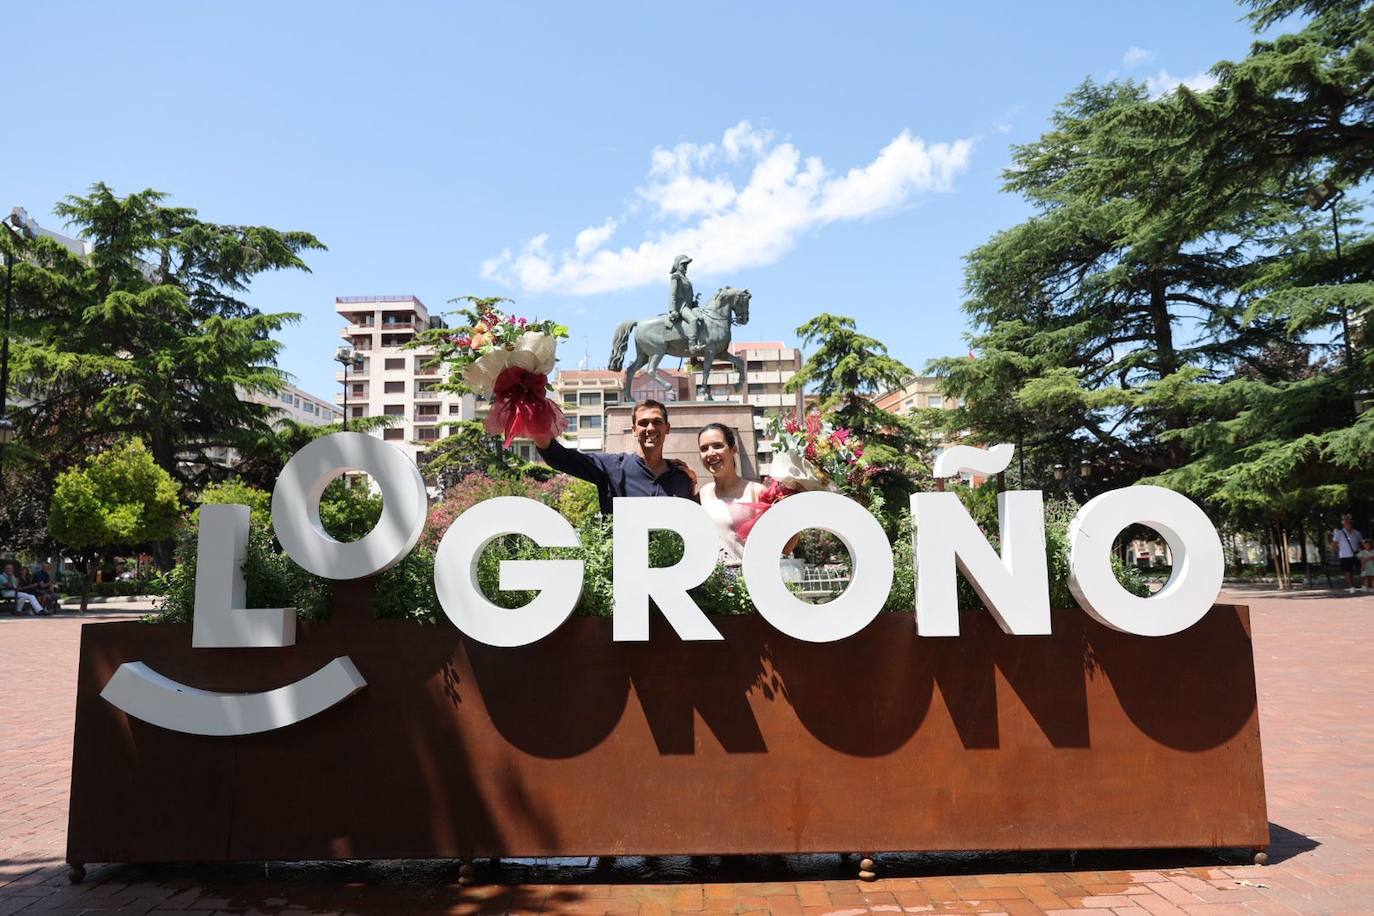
759,744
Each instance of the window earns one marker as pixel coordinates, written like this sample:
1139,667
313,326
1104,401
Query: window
455,408
754,365
391,435
395,388
359,411
934,400
591,422
425,390
589,399
286,397
427,433
569,399
572,423
427,410
394,410
358,391
758,389
395,363
612,397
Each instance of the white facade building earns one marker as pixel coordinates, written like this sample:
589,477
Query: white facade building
392,380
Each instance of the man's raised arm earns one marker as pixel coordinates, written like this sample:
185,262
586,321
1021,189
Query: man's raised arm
582,465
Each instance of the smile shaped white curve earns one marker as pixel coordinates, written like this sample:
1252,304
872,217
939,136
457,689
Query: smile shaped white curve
158,700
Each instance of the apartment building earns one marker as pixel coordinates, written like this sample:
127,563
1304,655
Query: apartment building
769,366
295,404
291,403
393,381
918,393
584,395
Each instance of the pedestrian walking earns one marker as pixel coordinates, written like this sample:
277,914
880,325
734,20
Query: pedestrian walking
1346,541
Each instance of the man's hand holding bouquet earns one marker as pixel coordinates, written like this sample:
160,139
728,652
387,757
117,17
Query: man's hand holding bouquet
507,360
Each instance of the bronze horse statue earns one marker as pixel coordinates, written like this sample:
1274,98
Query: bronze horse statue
660,336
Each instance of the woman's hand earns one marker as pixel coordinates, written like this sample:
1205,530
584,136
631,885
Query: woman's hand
685,468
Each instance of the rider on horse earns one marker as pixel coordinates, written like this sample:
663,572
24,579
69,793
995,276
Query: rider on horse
680,296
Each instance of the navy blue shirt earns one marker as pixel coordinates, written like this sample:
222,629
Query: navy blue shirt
617,474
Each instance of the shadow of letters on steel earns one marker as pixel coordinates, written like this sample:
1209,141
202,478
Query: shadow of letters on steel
1013,585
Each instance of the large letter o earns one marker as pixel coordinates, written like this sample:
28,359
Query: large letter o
1198,561
296,506
869,553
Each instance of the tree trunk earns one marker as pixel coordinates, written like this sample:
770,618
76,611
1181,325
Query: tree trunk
85,585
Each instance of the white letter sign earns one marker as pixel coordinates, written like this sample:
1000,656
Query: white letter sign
1015,587
1199,564
869,554
636,583
221,621
296,506
559,582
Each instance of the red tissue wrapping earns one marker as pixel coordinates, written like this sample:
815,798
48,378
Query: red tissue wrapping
772,494
520,406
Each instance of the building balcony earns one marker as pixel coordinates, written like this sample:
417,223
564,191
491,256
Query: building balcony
354,375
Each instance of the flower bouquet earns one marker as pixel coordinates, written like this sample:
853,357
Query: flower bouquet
808,454
507,359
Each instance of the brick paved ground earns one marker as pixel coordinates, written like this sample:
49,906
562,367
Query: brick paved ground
1316,682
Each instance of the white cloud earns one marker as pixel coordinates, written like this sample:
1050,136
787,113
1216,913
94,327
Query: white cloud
1134,57
1165,82
725,226
593,237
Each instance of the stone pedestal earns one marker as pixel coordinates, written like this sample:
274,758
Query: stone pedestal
687,419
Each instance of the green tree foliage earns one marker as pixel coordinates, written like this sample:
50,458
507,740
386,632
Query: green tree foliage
1173,310
149,335
468,449
1092,314
845,371
118,498
264,450
349,510
235,492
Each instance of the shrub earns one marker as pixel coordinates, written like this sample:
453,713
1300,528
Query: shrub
474,488
235,491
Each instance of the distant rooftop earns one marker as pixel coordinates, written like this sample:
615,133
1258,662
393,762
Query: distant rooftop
377,299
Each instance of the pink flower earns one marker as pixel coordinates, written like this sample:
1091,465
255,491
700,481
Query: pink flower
521,321
841,436
464,341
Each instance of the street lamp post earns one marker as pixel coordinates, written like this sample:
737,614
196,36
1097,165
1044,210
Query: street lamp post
347,356
17,223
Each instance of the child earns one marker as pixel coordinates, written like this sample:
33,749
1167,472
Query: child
1366,558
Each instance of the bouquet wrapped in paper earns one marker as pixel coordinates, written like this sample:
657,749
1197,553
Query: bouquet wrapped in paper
507,360
807,455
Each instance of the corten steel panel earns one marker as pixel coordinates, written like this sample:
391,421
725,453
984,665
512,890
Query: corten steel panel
578,745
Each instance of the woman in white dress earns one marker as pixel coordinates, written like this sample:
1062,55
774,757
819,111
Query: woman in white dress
728,498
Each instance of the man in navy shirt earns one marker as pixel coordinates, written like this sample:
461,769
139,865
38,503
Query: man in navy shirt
643,472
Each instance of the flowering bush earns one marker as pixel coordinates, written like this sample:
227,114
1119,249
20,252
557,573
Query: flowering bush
474,488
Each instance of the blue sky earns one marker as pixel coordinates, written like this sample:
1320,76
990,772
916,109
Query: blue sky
828,159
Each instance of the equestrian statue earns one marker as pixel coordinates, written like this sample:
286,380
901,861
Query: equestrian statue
688,330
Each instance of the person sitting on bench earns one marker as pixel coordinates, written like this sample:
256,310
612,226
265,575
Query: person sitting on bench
9,589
